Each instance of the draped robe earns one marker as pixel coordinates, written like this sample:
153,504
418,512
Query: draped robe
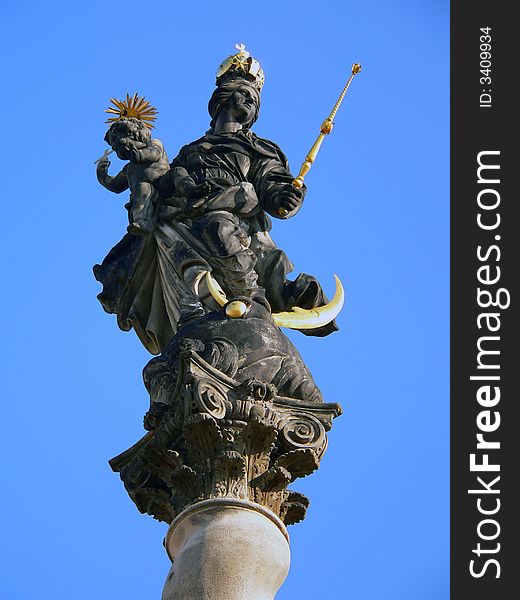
154,282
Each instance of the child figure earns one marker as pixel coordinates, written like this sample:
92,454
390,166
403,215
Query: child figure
130,138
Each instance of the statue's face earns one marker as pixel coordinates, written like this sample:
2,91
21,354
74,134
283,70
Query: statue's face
242,104
124,144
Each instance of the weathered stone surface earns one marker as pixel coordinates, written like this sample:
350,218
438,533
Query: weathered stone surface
243,348
235,415
210,210
219,438
226,549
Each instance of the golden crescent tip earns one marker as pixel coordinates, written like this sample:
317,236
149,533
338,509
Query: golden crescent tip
314,317
215,290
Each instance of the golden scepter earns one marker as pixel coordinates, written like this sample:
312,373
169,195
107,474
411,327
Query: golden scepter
325,129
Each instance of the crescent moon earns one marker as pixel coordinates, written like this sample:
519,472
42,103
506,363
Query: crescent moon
297,318
215,290
303,318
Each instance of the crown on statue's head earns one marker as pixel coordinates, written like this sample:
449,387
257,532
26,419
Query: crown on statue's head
241,65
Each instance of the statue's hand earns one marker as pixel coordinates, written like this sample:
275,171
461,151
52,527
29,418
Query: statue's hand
102,170
194,191
102,166
288,200
135,155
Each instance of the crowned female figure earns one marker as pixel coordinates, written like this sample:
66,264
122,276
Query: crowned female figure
212,215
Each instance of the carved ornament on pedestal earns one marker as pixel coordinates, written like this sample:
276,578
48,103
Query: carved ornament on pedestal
216,438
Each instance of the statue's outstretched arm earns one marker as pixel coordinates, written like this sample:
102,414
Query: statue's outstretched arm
116,184
178,180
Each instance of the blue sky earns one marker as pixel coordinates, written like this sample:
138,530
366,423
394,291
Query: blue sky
376,213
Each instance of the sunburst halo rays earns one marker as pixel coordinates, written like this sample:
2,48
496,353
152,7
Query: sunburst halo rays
133,106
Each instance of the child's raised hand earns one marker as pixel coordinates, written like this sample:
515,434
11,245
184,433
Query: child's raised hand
103,163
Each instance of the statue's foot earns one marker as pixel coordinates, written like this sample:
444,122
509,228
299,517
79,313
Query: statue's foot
137,228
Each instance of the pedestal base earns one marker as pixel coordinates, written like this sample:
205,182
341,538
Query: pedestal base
226,549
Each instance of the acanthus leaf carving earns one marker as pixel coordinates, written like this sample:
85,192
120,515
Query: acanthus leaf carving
222,438
229,472
203,438
294,507
299,463
273,480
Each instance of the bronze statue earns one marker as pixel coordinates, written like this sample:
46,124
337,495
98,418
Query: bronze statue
209,212
234,411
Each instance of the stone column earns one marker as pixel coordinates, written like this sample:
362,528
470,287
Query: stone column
216,467
226,549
